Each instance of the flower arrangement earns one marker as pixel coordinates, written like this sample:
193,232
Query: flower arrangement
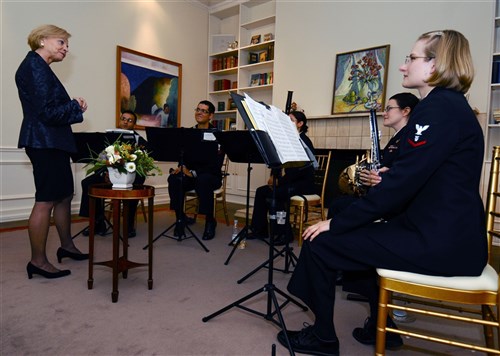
126,158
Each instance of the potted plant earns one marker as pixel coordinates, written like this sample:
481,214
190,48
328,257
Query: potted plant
124,160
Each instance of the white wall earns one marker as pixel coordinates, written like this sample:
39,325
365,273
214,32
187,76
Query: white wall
309,34
175,30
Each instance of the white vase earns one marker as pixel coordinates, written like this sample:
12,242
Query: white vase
121,180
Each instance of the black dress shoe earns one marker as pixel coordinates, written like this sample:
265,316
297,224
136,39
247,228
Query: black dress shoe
100,229
257,235
179,228
282,239
61,253
368,333
209,232
306,342
31,269
189,221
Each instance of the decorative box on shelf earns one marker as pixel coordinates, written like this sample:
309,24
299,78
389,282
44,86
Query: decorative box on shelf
496,115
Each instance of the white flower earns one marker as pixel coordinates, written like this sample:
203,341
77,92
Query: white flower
130,167
133,157
110,150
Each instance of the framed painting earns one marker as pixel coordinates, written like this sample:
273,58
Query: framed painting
360,80
150,86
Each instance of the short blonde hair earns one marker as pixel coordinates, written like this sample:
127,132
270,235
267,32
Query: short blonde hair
36,35
451,52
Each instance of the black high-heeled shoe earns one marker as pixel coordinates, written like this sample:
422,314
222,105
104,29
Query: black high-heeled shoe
31,269
61,253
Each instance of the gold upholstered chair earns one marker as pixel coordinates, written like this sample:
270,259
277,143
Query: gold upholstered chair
314,204
442,297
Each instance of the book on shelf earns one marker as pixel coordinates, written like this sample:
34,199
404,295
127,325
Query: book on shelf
253,57
262,56
275,135
223,124
221,63
261,79
270,52
222,84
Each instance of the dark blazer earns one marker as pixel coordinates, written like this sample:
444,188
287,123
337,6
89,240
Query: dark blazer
432,189
48,111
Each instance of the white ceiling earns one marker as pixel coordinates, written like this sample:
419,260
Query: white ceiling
210,3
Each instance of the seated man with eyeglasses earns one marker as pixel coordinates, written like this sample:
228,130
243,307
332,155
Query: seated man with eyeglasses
204,178
127,122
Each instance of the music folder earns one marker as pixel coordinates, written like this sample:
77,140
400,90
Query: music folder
275,135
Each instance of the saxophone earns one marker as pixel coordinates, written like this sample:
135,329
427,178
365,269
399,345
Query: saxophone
349,179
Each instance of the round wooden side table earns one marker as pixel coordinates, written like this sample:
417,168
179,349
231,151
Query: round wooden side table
120,264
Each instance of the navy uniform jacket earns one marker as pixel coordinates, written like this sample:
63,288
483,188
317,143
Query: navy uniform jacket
48,111
432,189
391,150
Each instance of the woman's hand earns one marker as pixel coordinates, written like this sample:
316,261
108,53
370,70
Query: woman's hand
371,178
312,231
82,102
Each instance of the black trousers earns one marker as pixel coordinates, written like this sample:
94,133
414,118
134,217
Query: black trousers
204,185
355,253
283,193
262,202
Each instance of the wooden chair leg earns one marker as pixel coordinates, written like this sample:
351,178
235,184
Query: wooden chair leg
301,224
225,211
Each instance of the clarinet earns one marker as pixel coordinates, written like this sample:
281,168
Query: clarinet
372,162
288,105
375,154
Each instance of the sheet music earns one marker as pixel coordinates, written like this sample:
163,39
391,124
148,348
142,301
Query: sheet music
258,113
280,129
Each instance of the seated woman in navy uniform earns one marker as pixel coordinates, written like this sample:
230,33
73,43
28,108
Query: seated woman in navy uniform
436,224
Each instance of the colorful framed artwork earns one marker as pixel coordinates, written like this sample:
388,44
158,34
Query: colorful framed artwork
360,80
150,86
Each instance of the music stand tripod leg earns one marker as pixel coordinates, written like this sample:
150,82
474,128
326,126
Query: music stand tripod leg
164,233
244,232
269,288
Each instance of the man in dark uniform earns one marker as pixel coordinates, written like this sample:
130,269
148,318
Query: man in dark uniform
203,177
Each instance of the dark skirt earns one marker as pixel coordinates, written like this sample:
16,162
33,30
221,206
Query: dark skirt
52,173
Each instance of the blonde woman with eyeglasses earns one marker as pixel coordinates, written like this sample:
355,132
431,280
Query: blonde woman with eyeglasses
431,193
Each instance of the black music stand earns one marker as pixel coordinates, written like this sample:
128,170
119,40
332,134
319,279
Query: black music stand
89,144
240,148
269,156
185,146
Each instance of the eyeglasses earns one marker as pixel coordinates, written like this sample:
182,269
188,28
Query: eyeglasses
389,108
412,58
204,111
126,119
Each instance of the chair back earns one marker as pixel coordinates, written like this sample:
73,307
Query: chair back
321,176
492,208
225,170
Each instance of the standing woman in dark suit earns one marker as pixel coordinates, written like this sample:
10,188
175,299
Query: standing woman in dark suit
431,193
46,136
